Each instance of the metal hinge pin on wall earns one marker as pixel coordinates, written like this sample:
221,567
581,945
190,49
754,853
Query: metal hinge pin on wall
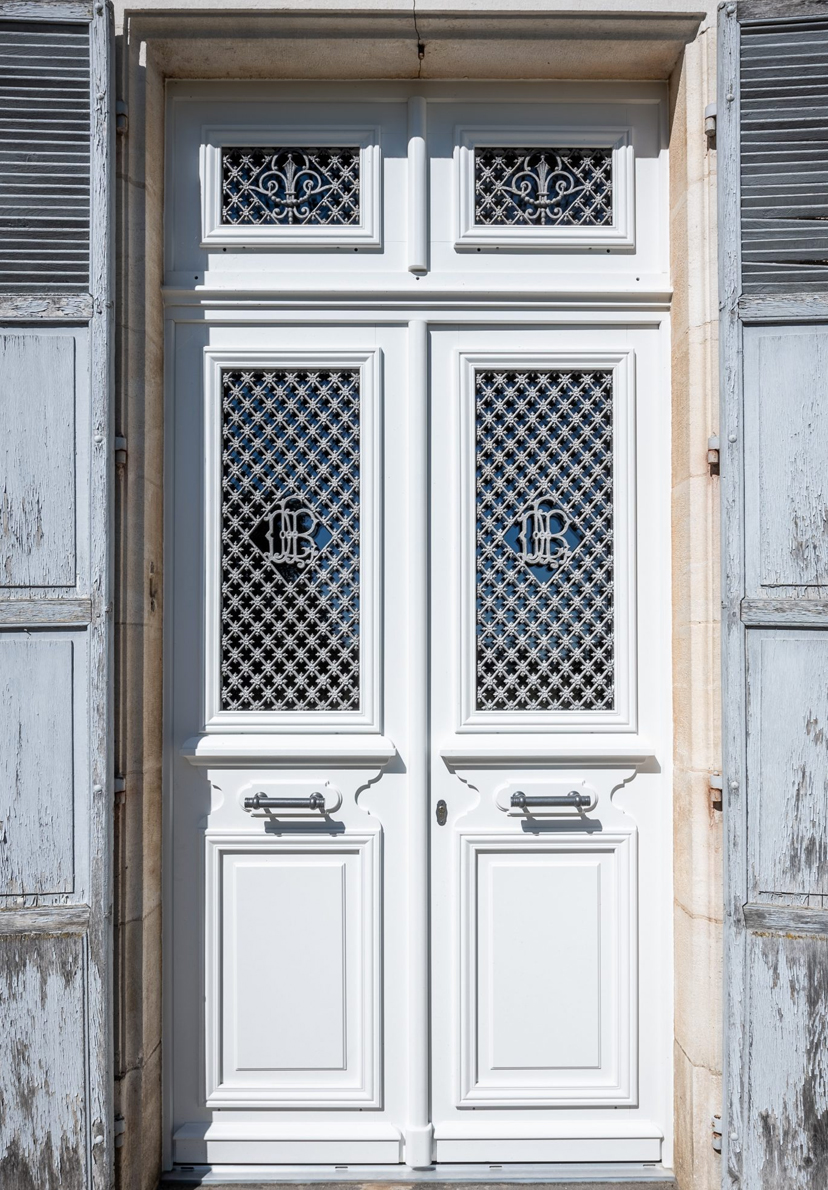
717,1133
710,125
120,450
121,117
716,787
713,454
118,1131
120,790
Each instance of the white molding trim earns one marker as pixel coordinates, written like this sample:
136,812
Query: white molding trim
615,1083
360,1082
619,234
367,719
215,750
624,716
367,233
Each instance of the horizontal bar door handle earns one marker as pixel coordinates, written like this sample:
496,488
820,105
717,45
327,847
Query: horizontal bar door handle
260,801
580,800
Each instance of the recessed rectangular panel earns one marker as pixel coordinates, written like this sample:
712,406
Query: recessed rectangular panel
37,460
786,447
290,539
545,598
292,989
547,974
44,1076
285,917
542,943
37,786
788,764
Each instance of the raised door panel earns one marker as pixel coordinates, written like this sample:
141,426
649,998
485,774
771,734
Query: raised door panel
37,756
37,460
786,444
292,972
547,971
787,765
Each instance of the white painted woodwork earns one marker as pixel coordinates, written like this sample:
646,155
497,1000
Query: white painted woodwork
378,987
620,233
37,413
37,795
293,1020
547,969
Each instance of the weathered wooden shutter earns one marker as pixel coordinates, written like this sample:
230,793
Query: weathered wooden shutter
773,187
55,603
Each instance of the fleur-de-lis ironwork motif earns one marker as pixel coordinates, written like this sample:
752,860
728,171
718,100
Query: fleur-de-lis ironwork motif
546,187
318,187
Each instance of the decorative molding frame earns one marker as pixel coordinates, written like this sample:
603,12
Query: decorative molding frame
362,1089
367,719
620,234
367,233
620,1087
625,715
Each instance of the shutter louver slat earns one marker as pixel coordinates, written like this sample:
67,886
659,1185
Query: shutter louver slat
44,157
784,156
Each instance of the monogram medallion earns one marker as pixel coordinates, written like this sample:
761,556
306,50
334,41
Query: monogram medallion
290,536
544,537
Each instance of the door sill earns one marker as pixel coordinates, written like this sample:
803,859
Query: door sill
633,1175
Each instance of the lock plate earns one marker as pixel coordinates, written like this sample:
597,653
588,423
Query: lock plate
441,812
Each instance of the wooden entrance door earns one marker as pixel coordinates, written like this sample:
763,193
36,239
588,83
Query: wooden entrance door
417,619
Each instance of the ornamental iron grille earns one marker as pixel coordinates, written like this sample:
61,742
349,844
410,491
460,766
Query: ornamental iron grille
542,187
288,187
544,541
290,540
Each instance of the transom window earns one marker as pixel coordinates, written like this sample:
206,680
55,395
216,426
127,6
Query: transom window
290,186
544,187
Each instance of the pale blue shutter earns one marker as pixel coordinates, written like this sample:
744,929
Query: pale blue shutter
55,601
773,186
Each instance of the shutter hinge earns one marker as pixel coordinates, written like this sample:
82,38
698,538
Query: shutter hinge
118,1131
716,1122
716,787
120,450
120,790
710,125
713,454
121,117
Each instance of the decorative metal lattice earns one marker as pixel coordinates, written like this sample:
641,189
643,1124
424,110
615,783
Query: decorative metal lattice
290,540
290,187
543,187
544,541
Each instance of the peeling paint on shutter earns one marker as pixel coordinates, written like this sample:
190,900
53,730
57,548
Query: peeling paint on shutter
44,156
773,243
56,446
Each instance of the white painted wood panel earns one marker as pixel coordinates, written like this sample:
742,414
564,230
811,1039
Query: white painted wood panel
293,980
37,460
37,795
547,973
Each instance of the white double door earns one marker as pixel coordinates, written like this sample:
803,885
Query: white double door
418,741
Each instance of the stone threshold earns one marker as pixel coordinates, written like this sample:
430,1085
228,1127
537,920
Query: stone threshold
585,1177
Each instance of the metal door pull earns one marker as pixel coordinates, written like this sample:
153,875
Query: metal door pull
522,802
315,801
